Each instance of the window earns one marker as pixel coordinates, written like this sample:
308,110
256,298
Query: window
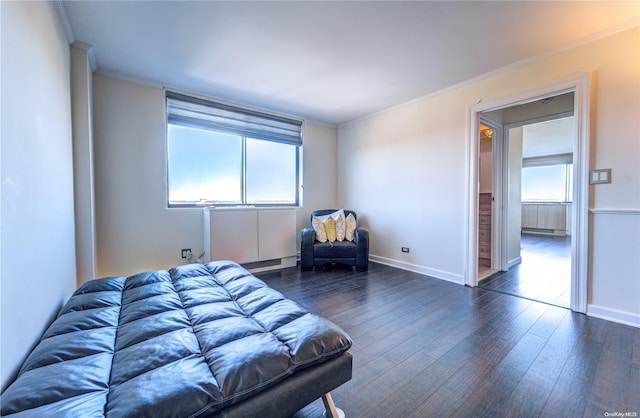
225,155
547,183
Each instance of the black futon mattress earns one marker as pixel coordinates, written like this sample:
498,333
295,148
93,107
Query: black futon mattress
185,342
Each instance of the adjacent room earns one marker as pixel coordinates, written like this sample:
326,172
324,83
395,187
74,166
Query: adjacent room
348,208
539,143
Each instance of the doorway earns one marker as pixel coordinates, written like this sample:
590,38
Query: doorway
490,135
579,87
538,161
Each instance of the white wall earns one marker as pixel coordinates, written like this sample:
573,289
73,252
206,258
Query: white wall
135,231
514,222
320,172
615,252
404,170
37,239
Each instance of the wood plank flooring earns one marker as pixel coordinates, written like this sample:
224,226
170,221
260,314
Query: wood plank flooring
543,275
424,347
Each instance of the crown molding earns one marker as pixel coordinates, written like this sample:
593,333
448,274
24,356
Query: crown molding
64,19
90,50
558,50
66,25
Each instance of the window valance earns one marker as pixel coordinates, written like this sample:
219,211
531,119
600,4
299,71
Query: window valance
200,113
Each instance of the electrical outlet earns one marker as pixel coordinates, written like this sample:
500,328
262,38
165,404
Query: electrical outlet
186,253
405,249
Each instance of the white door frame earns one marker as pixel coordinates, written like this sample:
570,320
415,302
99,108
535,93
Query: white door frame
580,85
498,180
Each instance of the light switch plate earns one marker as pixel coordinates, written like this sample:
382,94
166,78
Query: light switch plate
600,176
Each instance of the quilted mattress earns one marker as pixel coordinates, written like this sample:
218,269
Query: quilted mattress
185,342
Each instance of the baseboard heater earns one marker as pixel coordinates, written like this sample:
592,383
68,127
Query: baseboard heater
259,239
543,231
262,264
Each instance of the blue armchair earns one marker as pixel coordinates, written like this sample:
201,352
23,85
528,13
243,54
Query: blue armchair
351,253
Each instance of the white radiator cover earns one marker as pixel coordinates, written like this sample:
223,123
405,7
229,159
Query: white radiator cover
261,238
546,218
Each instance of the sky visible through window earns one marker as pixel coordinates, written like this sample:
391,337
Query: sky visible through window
207,167
204,165
271,172
550,183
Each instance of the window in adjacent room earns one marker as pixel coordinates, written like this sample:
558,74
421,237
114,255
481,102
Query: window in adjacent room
225,155
547,183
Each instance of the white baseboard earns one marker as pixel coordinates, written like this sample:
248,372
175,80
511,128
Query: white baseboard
438,274
514,262
614,315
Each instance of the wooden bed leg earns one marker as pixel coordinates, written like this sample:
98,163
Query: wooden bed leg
330,408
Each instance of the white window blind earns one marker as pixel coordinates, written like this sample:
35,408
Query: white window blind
194,112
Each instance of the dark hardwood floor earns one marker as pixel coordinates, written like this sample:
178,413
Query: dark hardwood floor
544,274
424,347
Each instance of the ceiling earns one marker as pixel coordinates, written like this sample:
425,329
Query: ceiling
330,61
548,138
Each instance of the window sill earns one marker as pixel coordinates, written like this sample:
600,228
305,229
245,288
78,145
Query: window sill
546,203
233,207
